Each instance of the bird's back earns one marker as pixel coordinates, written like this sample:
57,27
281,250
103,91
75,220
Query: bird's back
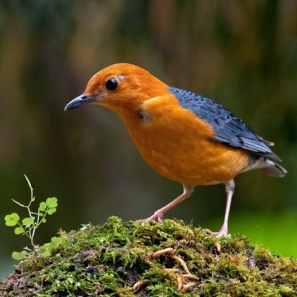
228,128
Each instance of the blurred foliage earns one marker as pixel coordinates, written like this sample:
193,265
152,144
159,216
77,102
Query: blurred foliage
241,53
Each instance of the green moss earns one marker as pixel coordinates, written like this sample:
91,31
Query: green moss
150,259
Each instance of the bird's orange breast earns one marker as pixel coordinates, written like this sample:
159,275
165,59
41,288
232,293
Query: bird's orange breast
179,145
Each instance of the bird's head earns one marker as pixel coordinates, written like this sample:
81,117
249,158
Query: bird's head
119,87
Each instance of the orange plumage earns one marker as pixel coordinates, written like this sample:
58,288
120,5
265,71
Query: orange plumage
183,136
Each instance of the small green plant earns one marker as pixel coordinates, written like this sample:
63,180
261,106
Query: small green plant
29,225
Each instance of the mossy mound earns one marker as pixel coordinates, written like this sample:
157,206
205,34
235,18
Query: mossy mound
168,259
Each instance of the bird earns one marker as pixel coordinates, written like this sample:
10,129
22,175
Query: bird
185,137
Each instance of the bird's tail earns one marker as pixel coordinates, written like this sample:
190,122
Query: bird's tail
273,169
267,166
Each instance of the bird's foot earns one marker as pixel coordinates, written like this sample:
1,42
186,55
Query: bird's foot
222,233
156,217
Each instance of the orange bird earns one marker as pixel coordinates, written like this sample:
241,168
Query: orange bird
185,137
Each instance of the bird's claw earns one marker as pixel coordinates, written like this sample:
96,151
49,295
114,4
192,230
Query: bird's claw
156,217
222,233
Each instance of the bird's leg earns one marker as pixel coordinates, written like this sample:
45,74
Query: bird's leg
159,214
230,186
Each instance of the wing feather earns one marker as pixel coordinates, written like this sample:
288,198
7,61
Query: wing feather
228,128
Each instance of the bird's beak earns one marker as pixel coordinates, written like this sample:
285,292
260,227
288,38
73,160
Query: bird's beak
82,99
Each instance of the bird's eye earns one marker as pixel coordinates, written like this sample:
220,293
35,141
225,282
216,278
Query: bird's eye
111,84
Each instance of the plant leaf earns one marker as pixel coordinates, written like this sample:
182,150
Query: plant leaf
56,241
51,211
19,230
42,206
12,219
52,202
46,253
27,222
19,255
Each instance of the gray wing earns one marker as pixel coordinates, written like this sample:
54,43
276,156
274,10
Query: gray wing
228,128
